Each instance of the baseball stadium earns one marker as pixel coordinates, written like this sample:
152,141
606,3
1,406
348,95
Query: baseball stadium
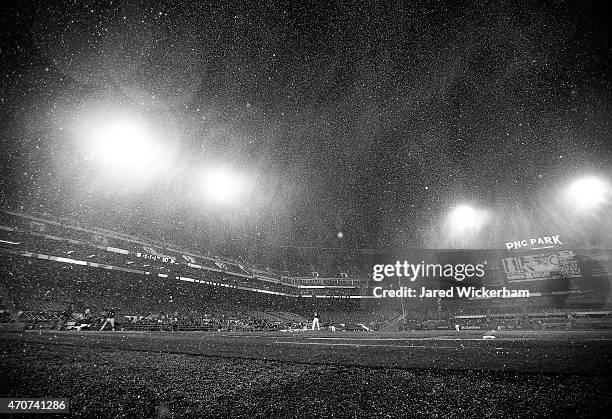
198,335
277,209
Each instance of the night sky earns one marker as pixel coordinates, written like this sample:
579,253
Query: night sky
368,118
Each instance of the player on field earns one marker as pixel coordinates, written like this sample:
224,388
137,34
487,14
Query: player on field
64,317
315,322
110,319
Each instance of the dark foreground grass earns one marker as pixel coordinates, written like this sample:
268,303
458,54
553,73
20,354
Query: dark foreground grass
117,383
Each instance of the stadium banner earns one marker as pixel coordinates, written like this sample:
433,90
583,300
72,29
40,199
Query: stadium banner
152,254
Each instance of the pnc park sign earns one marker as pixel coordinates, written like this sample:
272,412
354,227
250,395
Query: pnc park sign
534,243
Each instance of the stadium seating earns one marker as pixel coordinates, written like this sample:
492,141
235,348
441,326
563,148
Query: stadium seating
48,265
43,289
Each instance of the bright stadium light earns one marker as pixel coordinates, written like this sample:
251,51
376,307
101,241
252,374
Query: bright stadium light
125,147
465,221
587,194
223,186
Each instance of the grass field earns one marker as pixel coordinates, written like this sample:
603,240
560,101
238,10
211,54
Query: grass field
436,374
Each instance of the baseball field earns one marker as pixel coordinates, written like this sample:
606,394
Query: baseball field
314,374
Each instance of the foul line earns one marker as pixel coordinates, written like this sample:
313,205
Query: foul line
367,345
375,339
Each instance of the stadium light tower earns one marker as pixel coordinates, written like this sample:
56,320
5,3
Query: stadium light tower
587,194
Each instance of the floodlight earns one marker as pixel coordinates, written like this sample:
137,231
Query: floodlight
125,147
466,220
587,194
222,185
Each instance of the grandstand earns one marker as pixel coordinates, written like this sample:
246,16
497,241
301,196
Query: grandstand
49,264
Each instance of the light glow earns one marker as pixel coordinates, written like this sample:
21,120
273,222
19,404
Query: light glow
465,220
125,147
223,186
587,194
